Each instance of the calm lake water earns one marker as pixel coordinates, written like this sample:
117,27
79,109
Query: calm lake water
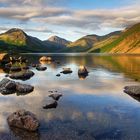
94,107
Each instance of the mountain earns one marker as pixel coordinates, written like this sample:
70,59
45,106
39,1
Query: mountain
16,40
58,40
127,42
86,43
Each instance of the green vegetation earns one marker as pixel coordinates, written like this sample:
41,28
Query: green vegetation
127,41
131,32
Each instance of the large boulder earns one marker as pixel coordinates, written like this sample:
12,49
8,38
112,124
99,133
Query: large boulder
23,119
9,87
23,75
132,90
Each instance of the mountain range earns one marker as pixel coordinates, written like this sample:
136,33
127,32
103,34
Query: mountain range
125,41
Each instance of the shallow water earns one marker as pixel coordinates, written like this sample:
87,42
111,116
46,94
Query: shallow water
94,107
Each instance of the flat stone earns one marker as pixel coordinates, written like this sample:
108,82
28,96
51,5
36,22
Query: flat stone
66,71
40,68
58,75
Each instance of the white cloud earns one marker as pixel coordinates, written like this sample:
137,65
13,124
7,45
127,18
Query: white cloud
44,12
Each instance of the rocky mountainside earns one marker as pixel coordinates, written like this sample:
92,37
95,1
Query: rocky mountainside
16,40
127,42
88,42
58,40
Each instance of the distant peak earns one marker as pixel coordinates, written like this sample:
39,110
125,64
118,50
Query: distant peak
15,30
58,40
54,37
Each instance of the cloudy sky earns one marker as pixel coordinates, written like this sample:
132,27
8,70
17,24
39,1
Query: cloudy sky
70,19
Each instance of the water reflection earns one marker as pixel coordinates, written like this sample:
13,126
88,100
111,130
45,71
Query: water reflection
93,108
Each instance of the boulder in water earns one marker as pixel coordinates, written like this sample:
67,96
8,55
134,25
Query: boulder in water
50,104
24,120
41,68
22,75
66,71
82,71
132,90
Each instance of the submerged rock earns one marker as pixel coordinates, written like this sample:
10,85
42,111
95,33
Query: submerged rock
132,90
41,68
50,104
23,75
55,96
24,135
23,119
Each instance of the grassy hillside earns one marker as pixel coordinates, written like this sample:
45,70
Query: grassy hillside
88,42
127,42
16,40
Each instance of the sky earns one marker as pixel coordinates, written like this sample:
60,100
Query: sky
69,19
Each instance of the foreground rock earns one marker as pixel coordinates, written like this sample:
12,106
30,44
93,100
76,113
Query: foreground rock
23,75
7,86
50,104
55,96
132,90
23,119
66,71
10,87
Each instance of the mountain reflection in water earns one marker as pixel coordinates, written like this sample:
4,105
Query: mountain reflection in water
92,107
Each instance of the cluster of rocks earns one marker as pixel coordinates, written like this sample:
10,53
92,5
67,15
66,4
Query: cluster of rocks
24,119
27,120
10,87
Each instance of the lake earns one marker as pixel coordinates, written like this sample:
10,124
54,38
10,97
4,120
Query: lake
91,108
